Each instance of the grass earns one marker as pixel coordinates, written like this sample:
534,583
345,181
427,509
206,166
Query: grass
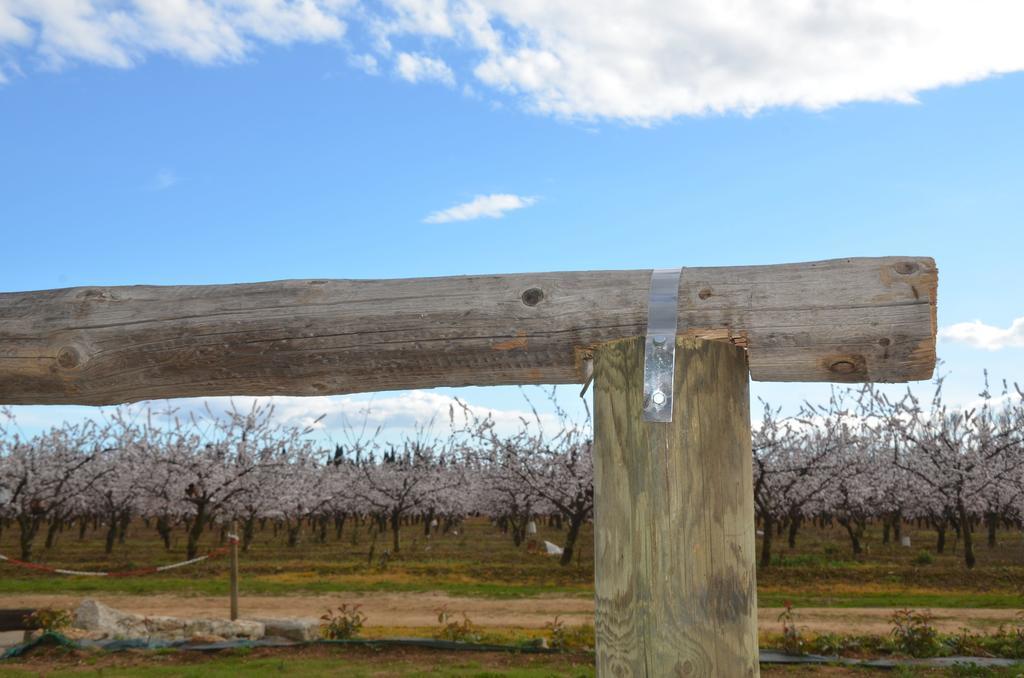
360,661
480,561
318,661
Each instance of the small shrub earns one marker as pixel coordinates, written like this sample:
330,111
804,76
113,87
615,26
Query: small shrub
346,622
964,642
914,634
556,633
923,558
1007,641
792,640
579,637
832,644
464,631
49,619
562,637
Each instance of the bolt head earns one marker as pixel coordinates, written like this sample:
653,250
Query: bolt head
660,340
658,398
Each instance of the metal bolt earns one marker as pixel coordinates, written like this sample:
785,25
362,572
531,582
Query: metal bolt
659,340
658,398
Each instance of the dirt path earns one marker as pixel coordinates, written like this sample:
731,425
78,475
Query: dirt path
419,609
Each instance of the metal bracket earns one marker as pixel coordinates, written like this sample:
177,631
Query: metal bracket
660,345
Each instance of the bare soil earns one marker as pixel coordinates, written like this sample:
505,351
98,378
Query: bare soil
420,609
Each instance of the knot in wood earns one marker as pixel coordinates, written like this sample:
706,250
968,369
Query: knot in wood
68,357
843,367
533,296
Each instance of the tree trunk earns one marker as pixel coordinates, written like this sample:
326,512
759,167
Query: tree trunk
248,532
293,533
991,522
196,531
854,533
395,528
163,528
29,526
108,546
575,522
794,526
51,533
426,523
122,529
965,533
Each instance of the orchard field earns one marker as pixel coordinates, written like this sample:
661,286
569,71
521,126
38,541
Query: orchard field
477,559
864,505
510,593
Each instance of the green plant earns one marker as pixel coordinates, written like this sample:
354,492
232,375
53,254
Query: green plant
914,634
346,622
49,619
924,558
556,631
832,644
464,631
792,640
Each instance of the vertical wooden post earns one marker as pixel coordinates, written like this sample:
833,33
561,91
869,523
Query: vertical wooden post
234,570
674,517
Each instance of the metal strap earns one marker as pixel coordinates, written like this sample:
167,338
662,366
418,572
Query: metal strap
660,345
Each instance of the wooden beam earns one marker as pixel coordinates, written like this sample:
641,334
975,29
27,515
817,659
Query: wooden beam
674,575
17,620
841,320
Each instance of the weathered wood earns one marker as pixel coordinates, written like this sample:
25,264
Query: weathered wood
233,571
674,570
16,619
841,320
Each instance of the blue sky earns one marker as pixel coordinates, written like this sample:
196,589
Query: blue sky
308,156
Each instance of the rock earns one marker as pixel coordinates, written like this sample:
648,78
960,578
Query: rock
203,639
299,630
225,628
97,618
80,634
92,615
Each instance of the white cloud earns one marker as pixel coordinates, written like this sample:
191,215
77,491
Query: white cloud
421,68
642,62
367,63
653,60
988,337
493,206
401,412
336,417
121,33
164,179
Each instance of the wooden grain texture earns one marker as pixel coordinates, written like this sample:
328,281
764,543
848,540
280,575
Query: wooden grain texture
233,572
17,620
841,320
674,569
